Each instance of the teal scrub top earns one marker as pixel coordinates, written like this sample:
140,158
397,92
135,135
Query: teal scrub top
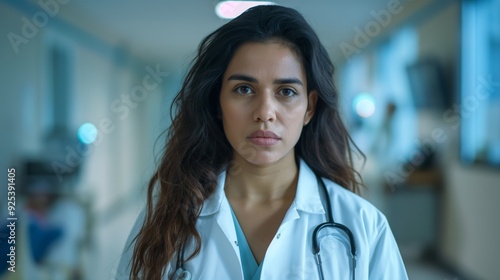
251,270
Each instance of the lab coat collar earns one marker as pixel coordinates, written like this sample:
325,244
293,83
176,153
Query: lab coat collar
212,204
307,198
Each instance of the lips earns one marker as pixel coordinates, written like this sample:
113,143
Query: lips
264,138
264,134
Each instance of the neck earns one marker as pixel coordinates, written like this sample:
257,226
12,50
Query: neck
255,183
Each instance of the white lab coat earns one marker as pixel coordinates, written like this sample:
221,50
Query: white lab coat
290,254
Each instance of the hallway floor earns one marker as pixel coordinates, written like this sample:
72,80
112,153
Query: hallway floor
418,270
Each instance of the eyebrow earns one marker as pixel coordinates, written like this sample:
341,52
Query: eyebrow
288,81
249,79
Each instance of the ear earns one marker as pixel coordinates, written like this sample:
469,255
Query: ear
312,99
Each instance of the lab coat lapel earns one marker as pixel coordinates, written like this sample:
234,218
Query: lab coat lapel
226,224
218,205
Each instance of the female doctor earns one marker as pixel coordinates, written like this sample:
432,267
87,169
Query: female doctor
256,180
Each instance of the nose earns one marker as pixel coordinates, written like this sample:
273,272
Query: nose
265,109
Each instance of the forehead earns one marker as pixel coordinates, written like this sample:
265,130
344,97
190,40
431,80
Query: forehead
267,59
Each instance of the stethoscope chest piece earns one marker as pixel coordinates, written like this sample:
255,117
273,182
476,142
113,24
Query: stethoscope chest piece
183,274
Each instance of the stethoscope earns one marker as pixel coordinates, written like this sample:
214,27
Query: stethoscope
332,224
183,274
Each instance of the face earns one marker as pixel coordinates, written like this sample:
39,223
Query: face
264,102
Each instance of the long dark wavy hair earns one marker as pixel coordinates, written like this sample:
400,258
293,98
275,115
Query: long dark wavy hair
197,150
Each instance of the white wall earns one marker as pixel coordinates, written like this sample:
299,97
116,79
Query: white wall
470,220
21,90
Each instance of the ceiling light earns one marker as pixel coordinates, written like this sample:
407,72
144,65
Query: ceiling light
232,9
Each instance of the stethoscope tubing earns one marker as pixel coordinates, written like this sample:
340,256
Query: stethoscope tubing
331,223
184,274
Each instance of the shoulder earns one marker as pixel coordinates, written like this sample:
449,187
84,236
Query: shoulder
347,198
376,243
347,207
353,207
123,268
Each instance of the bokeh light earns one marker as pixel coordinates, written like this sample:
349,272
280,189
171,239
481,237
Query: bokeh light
364,105
87,133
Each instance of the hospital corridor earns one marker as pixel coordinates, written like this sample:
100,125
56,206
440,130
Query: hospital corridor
88,91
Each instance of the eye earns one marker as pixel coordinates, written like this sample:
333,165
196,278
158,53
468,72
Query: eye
288,92
243,90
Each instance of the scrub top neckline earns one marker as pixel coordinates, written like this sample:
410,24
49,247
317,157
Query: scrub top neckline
251,270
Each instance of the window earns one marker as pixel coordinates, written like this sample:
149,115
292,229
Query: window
479,110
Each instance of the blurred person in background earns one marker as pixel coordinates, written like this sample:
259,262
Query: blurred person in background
49,234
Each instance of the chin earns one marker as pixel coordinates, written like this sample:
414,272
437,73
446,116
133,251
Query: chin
263,158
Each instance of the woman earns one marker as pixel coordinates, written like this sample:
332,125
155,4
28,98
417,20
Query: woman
257,157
